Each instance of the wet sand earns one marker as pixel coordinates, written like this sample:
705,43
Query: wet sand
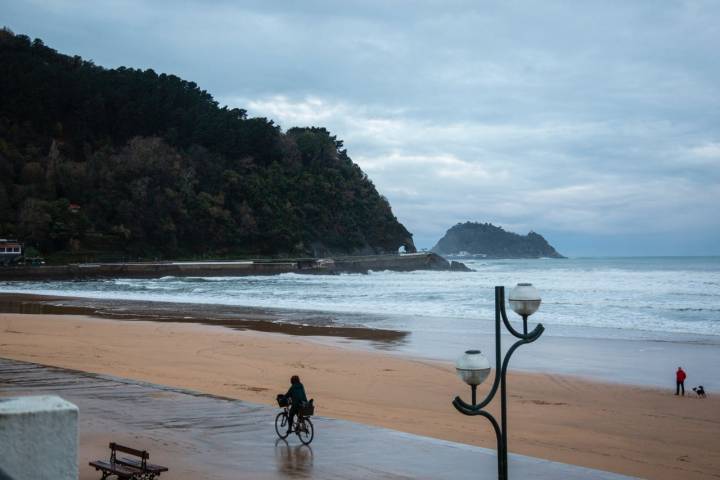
201,436
305,323
625,429
602,355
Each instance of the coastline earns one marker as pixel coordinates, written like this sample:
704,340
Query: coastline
605,355
625,429
307,323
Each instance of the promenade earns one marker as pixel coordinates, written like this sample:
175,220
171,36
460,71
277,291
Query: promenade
209,437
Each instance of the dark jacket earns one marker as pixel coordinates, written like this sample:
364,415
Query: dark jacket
297,394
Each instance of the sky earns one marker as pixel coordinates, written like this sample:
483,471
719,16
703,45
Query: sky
595,124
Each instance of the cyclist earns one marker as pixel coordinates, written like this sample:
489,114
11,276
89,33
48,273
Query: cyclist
297,398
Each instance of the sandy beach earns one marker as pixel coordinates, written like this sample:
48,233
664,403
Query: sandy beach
636,431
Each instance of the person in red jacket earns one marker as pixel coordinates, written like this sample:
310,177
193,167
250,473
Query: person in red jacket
680,385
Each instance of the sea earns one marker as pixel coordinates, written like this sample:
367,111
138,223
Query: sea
604,317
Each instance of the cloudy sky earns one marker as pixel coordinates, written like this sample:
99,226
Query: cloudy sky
596,124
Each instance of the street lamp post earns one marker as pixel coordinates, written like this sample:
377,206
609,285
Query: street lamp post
473,368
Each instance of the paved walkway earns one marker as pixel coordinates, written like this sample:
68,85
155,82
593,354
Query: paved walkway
213,438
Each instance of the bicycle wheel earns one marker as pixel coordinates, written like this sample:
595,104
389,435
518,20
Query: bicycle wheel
281,423
305,431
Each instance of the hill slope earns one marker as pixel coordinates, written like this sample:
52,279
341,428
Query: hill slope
123,161
493,242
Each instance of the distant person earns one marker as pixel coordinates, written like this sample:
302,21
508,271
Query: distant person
680,377
297,397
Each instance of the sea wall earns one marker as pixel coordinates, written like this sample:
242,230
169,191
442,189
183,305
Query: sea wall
38,438
361,264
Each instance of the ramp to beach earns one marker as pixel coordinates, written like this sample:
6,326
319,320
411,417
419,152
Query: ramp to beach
204,436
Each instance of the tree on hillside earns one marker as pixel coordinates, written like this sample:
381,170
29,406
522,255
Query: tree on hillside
134,162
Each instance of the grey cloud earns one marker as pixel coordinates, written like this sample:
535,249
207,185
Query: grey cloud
582,119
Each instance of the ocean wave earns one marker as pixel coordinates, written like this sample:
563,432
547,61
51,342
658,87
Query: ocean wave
690,309
575,294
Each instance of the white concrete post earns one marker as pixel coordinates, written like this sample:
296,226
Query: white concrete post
38,438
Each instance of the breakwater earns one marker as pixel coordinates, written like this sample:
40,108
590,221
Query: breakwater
356,264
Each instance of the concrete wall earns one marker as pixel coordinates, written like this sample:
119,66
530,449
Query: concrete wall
402,263
38,438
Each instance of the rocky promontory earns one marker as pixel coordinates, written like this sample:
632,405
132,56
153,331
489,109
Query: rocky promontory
490,241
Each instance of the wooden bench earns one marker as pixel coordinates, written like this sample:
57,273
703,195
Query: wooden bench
128,468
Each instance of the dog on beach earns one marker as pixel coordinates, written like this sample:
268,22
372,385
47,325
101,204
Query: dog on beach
700,391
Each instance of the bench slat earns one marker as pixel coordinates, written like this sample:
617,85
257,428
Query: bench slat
150,467
116,468
131,451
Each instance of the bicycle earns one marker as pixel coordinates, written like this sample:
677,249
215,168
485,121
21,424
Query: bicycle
303,426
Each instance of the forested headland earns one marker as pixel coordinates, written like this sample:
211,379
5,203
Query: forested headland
98,163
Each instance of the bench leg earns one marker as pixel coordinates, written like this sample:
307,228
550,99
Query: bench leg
107,475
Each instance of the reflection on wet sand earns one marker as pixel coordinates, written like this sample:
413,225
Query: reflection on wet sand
293,460
201,436
303,323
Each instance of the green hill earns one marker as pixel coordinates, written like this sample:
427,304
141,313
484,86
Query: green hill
97,161
493,242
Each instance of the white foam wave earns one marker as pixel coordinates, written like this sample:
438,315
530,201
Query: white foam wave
654,296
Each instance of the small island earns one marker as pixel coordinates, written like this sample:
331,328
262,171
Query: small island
488,241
